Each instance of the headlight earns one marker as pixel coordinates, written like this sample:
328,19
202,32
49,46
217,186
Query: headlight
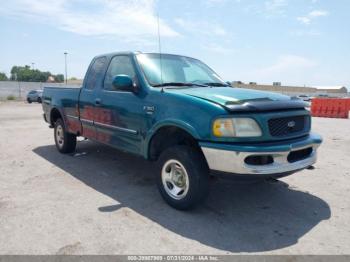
236,127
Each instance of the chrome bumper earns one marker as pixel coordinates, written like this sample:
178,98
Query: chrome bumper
234,161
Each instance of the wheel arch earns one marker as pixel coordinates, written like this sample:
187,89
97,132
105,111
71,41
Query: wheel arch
167,134
55,114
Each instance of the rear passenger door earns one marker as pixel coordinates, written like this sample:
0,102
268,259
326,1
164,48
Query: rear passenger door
87,100
120,119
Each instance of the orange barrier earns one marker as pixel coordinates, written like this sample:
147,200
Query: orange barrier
330,107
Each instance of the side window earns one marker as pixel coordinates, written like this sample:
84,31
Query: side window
95,74
120,65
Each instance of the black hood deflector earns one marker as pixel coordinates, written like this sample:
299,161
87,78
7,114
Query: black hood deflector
261,106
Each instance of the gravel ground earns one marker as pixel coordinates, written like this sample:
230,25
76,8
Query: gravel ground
102,201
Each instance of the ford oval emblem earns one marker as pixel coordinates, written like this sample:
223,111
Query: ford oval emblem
291,124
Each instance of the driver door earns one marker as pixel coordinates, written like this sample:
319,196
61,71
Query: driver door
120,118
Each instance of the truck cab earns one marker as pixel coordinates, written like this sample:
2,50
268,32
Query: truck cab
176,111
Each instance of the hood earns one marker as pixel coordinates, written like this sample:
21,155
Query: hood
240,99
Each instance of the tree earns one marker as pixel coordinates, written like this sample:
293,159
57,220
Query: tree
59,78
3,77
25,73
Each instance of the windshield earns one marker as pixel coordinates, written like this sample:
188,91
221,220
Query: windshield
177,70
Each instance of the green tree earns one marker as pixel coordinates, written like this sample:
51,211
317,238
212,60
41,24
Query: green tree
3,77
59,78
25,73
14,72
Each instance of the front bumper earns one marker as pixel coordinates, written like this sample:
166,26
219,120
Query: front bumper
230,158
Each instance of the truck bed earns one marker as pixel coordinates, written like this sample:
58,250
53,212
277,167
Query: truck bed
66,98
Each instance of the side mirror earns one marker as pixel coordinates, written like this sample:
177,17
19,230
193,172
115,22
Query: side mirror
123,83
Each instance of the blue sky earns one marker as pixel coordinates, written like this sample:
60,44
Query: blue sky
297,42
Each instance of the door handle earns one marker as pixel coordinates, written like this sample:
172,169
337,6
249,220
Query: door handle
98,101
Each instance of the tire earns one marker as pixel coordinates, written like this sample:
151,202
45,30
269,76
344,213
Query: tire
29,101
183,177
39,100
65,142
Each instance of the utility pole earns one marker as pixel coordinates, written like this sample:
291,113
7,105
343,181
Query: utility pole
65,62
19,89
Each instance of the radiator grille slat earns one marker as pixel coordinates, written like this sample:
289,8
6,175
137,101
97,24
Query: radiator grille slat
288,125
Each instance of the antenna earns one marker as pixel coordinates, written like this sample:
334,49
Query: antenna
160,53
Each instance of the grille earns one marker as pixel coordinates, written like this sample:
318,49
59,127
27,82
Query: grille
289,125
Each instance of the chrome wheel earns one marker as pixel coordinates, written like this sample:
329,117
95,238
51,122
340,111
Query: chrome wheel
59,136
175,179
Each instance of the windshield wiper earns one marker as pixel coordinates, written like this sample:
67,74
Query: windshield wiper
179,84
216,84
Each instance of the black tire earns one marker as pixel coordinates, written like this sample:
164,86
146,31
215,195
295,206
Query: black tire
39,100
195,165
29,101
65,142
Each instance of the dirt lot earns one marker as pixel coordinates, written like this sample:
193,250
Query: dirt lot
102,201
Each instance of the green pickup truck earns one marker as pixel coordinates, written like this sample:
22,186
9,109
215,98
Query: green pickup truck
176,111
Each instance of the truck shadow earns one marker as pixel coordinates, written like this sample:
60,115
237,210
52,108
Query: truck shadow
235,217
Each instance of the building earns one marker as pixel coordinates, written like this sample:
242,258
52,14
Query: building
295,90
332,89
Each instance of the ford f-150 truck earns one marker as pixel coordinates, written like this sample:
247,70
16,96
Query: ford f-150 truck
178,112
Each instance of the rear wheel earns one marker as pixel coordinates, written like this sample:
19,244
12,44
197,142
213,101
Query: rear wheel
39,100
29,101
65,142
183,177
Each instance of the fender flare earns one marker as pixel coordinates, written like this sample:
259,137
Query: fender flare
168,123
61,113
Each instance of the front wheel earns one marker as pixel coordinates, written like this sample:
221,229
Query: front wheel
183,177
29,101
65,142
